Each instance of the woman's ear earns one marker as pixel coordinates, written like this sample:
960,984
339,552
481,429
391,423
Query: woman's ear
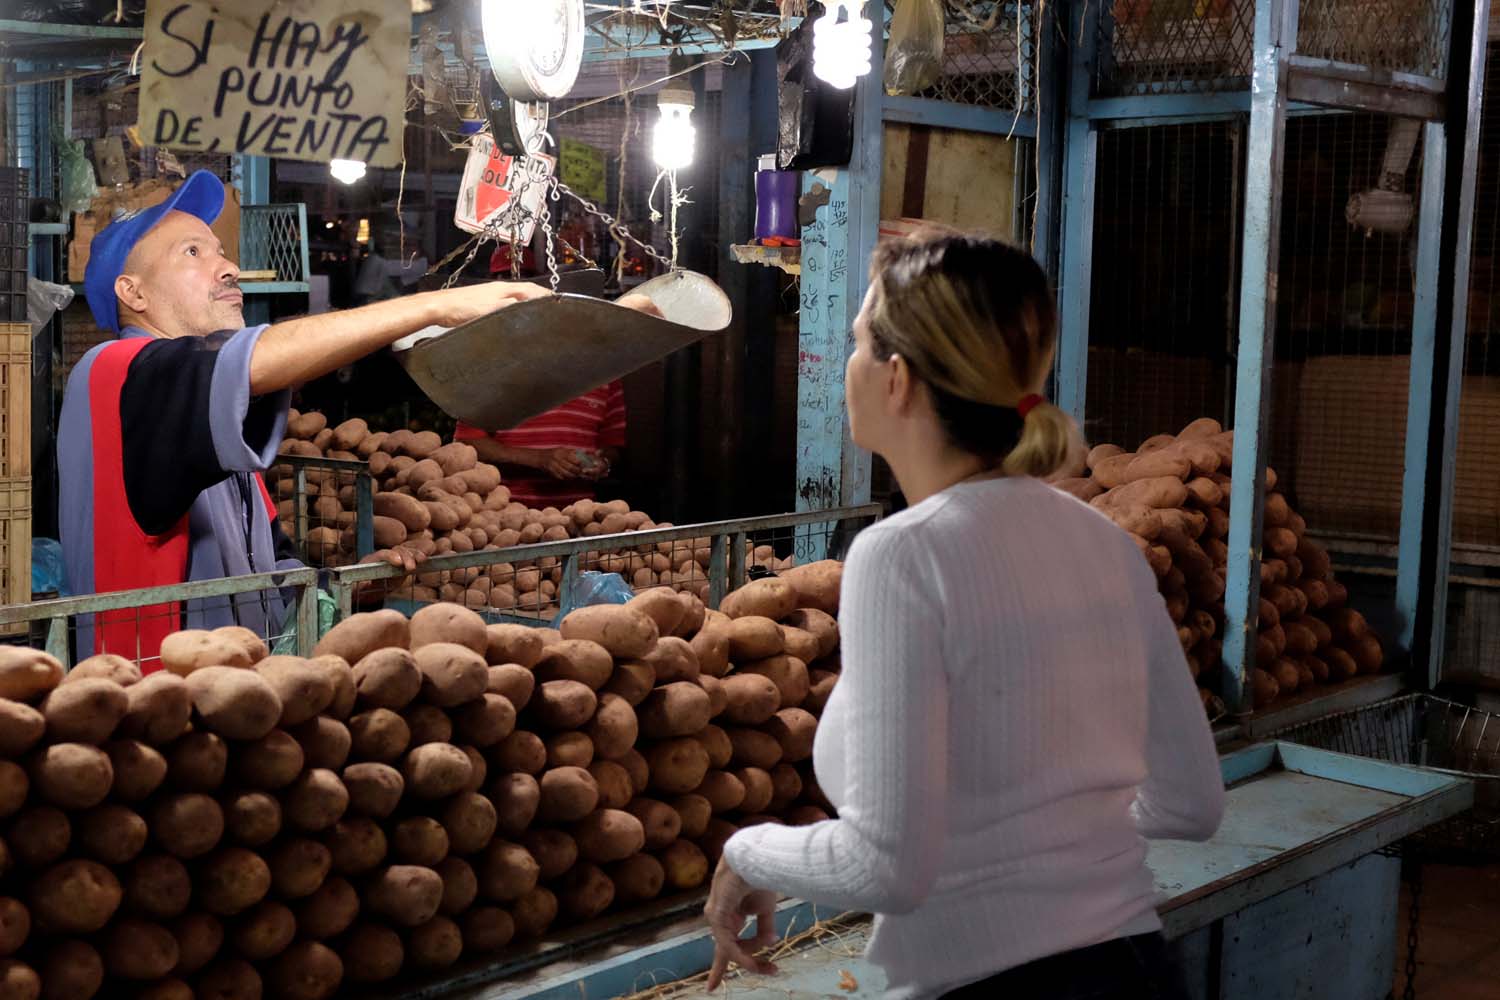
901,385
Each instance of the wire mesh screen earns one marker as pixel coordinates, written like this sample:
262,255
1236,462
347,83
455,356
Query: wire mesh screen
1343,337
1163,311
989,56
104,107
272,239
1173,46
1406,36
321,520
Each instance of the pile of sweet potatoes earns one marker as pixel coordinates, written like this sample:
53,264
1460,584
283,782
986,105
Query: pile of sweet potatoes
1172,496
236,824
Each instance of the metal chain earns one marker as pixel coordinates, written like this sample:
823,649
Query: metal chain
553,278
619,232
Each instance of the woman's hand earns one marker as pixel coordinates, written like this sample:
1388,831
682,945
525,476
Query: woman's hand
731,902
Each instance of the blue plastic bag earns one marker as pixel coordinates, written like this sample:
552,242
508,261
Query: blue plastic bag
593,588
48,574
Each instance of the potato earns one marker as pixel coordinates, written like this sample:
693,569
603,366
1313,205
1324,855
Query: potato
563,704
661,605
520,751
356,844
188,825
71,970
685,865
419,840
304,688
486,721
661,823
795,730
451,674
714,838
305,426
632,680
677,766
436,770
357,636
190,650
306,971
470,820
379,735
374,789
197,762
408,510
105,666
74,897
251,818
436,944
786,785
585,892
677,709
298,866
608,835
157,709
21,727
264,932
579,660
159,886
513,682
327,912
534,912
236,704
460,886
325,742
753,697
273,761
771,597
428,724
253,645
716,742
800,644
19,981
341,675
39,835
636,879
199,937
71,775
229,979
820,686
406,895
449,623
724,791
515,798
315,801
110,833
372,953
487,929
758,789
673,659
613,729
387,678
507,871
15,925
621,630
569,750
753,748
789,674
817,584
567,794
14,786
754,637
615,787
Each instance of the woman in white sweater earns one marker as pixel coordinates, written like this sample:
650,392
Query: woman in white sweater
1015,716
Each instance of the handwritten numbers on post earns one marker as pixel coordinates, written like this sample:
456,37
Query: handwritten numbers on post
299,79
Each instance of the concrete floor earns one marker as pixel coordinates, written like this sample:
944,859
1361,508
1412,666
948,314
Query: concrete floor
1458,939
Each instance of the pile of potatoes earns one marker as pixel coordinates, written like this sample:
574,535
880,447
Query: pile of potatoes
1172,496
440,498
237,825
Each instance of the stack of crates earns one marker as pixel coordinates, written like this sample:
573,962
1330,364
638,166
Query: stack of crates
15,391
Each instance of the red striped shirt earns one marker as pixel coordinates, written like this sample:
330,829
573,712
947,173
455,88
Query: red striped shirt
592,421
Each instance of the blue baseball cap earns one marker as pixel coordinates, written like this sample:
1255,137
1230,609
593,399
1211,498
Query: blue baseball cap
202,194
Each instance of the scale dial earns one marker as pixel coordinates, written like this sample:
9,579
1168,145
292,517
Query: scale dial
536,46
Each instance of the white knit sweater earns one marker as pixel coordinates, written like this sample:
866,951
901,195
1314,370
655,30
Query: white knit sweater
1014,717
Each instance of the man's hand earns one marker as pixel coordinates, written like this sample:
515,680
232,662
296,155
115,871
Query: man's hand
457,306
374,591
562,463
731,903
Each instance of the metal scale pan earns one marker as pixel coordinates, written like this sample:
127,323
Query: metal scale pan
529,357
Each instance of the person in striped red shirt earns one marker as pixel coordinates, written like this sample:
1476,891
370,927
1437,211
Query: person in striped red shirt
553,459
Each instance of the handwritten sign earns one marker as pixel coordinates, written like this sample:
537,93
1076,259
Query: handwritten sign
501,194
298,79
582,169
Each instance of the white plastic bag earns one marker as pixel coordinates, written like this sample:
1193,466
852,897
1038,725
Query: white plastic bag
43,298
914,54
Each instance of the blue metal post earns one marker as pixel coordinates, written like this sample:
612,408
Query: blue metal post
252,176
1275,36
1437,376
1051,63
1081,153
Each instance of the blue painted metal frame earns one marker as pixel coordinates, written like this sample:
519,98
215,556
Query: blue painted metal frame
1076,266
946,114
1275,36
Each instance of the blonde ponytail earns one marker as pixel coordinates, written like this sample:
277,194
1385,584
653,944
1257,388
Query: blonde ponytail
1049,442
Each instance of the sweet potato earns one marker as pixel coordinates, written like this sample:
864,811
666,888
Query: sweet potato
71,775
354,846
158,885
379,735
27,674
21,728
507,872
677,766
361,634
372,953
74,897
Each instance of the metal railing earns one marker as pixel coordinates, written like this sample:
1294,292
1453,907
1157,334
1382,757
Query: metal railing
342,470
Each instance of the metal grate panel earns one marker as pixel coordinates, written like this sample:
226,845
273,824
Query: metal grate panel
1399,36
274,238
989,56
1174,47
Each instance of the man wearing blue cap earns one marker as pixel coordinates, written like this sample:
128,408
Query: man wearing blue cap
164,432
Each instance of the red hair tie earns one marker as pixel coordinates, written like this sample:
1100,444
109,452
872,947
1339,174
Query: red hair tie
1028,403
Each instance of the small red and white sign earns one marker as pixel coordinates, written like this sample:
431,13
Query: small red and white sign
502,194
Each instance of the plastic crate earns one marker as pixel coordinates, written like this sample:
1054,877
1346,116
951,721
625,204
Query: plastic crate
13,306
15,234
15,400
1425,731
15,545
